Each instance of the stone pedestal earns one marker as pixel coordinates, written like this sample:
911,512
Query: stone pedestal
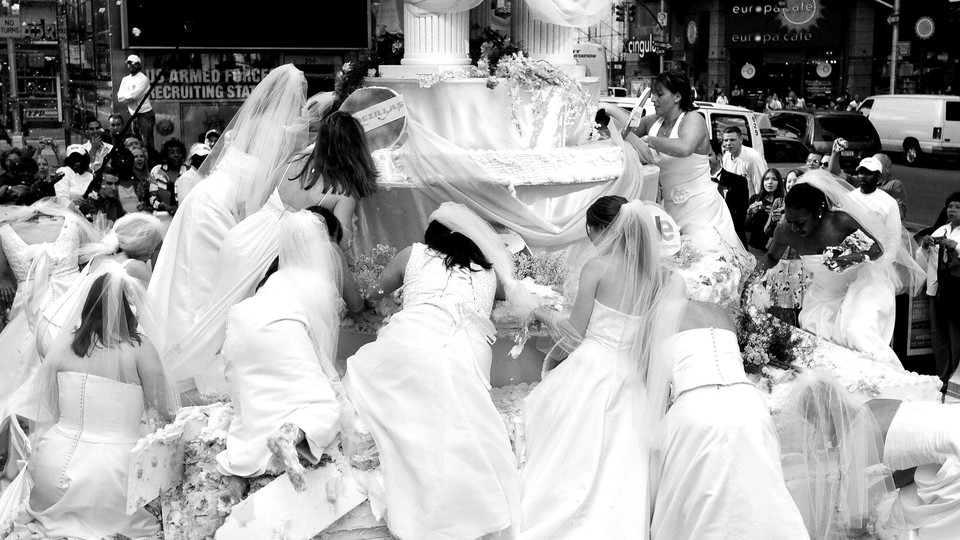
432,43
544,41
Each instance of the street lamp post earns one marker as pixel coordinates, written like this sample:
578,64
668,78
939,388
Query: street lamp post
895,49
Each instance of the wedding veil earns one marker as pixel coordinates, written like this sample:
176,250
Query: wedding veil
897,257
101,337
831,447
270,126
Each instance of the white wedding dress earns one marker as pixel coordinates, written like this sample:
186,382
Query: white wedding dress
584,476
854,308
718,463
79,466
422,389
19,358
691,197
275,377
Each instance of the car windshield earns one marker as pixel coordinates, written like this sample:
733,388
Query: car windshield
789,125
780,151
852,128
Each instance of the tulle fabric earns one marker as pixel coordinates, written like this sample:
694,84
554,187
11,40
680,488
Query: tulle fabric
574,13
425,7
831,448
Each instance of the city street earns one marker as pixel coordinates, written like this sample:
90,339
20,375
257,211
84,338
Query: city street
927,189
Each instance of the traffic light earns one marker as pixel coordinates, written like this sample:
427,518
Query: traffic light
619,10
632,12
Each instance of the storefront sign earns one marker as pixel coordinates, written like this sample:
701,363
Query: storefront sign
41,114
924,27
824,69
10,28
919,338
748,71
903,48
783,23
205,84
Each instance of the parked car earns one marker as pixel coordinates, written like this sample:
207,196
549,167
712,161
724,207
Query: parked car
916,125
818,129
785,154
718,117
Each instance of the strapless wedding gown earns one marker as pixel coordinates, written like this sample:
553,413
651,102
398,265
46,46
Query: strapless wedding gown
19,358
691,197
719,471
79,467
855,308
584,476
422,389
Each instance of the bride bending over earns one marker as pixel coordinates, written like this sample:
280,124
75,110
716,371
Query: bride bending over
92,392
422,388
676,140
279,352
851,298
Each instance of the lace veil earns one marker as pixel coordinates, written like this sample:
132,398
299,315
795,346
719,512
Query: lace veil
831,447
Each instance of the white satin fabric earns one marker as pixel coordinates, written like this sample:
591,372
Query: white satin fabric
585,476
691,197
575,13
719,474
925,435
275,377
854,308
426,7
422,390
79,468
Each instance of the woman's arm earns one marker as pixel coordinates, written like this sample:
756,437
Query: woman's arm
693,131
583,305
8,283
349,292
140,271
849,226
391,278
344,210
778,244
153,380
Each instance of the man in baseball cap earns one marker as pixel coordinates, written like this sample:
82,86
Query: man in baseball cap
134,88
879,202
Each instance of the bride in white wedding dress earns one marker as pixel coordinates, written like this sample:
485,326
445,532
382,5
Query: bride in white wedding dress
40,244
91,394
422,388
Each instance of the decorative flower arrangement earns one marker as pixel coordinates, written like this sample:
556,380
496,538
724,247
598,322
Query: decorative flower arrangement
716,275
490,47
366,271
542,274
541,80
766,341
543,268
857,242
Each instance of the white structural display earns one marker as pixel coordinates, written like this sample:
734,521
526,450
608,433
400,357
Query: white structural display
432,43
543,40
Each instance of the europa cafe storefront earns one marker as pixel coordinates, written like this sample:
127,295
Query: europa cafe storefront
798,45
203,58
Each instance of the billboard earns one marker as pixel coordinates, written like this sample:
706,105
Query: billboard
783,23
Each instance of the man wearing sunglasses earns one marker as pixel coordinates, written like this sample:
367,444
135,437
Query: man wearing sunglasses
132,89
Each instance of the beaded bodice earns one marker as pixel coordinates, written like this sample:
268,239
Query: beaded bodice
62,253
426,278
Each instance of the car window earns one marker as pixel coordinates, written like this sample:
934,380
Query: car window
854,128
953,111
790,125
720,122
784,151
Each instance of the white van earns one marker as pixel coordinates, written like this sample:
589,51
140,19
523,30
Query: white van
719,117
915,124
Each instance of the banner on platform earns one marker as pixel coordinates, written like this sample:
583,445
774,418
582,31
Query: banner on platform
205,84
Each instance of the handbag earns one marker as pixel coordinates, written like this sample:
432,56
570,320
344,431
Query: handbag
948,273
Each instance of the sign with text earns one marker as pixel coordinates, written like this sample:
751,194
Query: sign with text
10,28
783,23
205,84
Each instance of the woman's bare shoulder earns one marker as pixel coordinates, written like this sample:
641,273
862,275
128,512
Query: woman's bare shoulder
705,315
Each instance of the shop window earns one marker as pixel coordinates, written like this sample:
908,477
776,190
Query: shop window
720,122
953,111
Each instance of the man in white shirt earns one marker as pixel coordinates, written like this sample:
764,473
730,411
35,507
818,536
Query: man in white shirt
132,89
743,160
95,147
877,201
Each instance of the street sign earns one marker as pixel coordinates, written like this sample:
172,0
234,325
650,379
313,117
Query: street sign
662,18
10,27
903,48
893,19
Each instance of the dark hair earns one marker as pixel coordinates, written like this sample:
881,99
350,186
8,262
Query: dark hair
7,153
733,129
341,158
953,197
457,249
274,266
171,143
90,333
196,160
333,224
817,153
25,169
716,147
120,161
806,197
603,210
677,82
780,191
115,115
78,158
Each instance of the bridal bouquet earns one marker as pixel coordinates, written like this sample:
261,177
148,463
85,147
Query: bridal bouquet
366,271
543,275
765,340
836,257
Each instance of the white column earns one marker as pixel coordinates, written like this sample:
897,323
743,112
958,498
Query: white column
541,40
435,39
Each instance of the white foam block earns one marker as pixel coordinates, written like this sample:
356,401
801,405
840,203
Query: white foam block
278,511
